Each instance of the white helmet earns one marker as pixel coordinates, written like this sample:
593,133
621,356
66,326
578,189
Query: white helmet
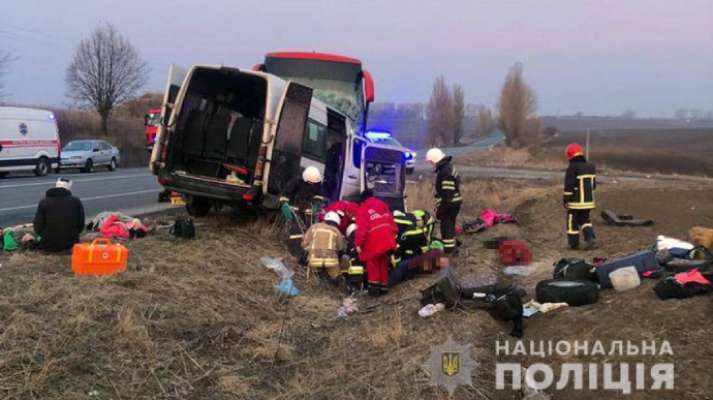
435,155
312,175
333,217
351,229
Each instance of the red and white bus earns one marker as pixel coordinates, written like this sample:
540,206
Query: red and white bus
338,81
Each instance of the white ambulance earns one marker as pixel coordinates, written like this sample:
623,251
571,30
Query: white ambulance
29,141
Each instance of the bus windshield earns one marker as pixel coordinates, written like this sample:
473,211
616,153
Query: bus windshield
338,84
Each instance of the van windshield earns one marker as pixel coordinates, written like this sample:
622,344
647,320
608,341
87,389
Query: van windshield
78,146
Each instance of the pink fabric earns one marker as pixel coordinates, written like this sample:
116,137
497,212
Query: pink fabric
692,276
114,228
491,217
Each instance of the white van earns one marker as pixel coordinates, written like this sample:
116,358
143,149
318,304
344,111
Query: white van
236,137
29,140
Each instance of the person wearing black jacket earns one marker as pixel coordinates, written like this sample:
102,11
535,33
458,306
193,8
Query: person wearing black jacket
448,198
59,218
580,183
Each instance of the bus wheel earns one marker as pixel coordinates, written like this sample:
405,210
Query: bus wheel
43,167
198,207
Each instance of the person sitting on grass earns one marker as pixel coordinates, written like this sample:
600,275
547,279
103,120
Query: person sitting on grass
59,218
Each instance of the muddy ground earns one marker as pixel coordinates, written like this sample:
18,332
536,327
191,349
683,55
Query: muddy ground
202,320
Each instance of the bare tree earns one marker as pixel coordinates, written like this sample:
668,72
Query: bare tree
518,104
458,113
106,70
440,115
486,122
6,58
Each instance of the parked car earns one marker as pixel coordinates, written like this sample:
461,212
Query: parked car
385,138
88,154
28,140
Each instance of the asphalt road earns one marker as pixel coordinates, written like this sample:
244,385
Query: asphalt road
130,190
135,190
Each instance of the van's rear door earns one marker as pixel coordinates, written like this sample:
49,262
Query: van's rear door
287,144
384,172
176,76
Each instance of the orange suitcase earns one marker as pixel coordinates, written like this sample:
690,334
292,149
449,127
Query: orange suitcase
100,257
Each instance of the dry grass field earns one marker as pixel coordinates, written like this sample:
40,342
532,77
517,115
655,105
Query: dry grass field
202,319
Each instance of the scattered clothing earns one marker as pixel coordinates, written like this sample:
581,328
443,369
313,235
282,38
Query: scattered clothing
115,227
349,306
701,236
532,307
612,218
59,220
487,219
667,243
684,285
431,309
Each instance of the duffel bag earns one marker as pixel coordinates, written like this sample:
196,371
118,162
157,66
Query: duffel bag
574,293
643,261
574,269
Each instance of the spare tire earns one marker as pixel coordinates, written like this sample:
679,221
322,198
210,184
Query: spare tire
574,293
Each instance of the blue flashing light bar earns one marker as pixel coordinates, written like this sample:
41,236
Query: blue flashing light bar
374,135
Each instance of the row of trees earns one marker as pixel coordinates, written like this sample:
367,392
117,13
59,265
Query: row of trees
516,117
445,112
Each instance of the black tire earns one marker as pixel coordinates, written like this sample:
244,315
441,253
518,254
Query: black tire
574,293
88,167
57,170
43,167
198,207
112,164
3,174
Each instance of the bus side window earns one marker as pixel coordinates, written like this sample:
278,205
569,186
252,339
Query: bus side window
314,143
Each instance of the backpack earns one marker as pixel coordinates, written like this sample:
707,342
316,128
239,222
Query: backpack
574,269
183,228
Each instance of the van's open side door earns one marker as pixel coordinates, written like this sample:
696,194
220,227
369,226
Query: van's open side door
176,76
287,147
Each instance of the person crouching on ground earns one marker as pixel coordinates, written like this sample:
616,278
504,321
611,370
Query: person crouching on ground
323,243
59,218
448,199
375,240
580,183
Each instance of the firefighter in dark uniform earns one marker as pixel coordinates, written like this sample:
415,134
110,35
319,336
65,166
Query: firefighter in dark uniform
448,199
353,268
580,183
411,240
301,201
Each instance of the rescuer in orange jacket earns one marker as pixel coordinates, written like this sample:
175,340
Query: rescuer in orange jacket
375,240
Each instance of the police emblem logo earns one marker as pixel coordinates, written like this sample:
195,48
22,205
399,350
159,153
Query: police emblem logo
450,364
23,128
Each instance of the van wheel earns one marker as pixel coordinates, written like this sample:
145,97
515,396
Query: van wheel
88,167
112,164
43,167
198,207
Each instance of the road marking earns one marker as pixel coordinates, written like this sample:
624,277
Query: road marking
45,183
107,196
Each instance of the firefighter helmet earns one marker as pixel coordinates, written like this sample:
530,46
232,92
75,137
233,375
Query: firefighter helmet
435,155
351,229
333,216
574,150
312,175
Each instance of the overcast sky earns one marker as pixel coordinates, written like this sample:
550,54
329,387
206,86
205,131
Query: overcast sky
595,56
